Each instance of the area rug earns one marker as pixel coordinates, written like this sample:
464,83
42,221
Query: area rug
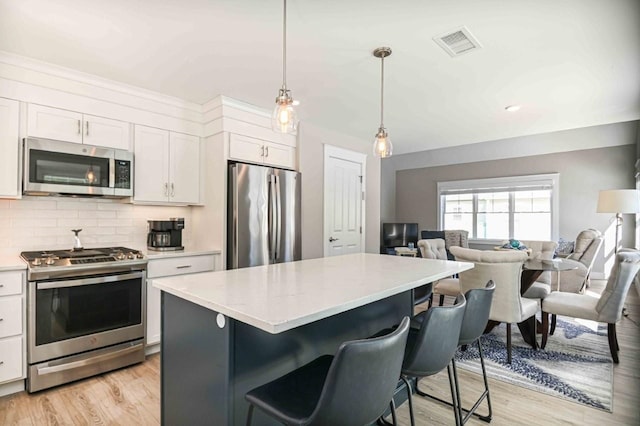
575,365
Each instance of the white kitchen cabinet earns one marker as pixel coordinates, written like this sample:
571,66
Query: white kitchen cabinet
254,150
157,268
70,126
12,326
10,147
167,168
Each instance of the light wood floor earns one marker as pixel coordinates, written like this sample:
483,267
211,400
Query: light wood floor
131,396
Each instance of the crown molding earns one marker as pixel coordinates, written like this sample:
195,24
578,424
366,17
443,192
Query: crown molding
222,101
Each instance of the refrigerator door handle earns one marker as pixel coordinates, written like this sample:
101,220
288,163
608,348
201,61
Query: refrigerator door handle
278,219
272,218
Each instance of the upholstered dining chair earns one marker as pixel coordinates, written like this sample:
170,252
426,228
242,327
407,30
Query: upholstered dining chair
354,387
503,267
587,246
434,248
607,308
540,250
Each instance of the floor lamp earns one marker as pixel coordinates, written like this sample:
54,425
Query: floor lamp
619,201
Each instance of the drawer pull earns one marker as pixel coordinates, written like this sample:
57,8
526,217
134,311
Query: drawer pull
1,285
1,319
1,362
183,266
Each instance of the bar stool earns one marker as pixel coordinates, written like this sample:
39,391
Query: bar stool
475,319
431,348
354,387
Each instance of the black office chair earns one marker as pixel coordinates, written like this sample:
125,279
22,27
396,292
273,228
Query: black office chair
431,347
475,319
353,388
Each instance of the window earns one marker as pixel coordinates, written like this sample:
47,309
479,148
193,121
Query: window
520,207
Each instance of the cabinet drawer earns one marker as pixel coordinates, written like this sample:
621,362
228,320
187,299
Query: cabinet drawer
179,265
10,283
10,316
10,359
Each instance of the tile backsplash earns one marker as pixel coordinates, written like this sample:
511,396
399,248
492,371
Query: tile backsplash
39,223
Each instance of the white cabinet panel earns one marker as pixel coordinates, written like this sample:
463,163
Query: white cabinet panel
106,132
9,146
10,283
54,123
167,167
151,156
254,150
184,170
10,316
11,359
158,268
70,126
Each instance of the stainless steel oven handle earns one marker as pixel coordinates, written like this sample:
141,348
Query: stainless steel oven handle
89,361
87,281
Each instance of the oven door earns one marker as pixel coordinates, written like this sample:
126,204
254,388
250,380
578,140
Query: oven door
71,316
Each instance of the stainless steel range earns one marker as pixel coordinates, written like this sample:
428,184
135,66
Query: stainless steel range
85,314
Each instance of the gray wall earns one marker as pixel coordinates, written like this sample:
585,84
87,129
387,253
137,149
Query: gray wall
412,194
311,141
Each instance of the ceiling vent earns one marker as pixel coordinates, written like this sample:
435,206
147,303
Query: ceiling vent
458,42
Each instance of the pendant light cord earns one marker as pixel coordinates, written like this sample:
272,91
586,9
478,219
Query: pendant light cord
284,47
382,93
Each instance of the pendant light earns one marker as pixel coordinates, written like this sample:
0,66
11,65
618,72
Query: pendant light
284,118
382,146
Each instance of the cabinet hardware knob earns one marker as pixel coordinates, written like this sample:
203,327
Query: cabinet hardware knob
87,123
1,362
183,266
79,127
173,190
331,239
166,189
1,319
1,285
262,151
266,148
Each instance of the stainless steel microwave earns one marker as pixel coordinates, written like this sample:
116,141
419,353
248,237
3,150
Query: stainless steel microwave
55,167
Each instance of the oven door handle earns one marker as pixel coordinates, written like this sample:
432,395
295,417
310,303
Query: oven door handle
87,281
89,361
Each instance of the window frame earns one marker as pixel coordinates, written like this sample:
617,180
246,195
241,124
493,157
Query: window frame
549,181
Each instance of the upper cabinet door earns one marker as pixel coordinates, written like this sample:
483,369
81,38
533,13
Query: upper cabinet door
106,132
184,169
279,155
246,148
9,145
53,123
151,164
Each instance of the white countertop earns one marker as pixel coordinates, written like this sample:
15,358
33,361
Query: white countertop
151,254
11,263
277,298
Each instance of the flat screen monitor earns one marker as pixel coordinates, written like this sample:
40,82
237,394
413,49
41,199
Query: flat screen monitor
399,234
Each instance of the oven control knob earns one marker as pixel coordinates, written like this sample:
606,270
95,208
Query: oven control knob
37,261
140,256
50,261
131,255
121,256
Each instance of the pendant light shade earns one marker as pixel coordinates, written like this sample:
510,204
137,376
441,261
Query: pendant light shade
382,146
284,118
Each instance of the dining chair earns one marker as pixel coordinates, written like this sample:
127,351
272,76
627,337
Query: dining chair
354,387
540,250
504,268
434,248
606,308
586,248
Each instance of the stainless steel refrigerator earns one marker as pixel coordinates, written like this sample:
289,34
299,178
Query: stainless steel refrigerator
263,218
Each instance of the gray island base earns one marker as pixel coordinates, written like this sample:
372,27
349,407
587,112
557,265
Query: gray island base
216,345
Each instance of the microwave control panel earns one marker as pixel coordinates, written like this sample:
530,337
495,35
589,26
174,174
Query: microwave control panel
123,174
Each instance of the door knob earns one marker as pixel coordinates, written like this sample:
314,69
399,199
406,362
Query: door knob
331,239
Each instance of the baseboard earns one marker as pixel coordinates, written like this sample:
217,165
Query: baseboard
12,387
152,349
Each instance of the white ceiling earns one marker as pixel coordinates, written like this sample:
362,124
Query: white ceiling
570,64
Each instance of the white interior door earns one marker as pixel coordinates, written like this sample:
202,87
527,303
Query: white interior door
343,201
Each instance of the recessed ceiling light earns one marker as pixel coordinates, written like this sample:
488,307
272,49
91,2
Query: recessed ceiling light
512,108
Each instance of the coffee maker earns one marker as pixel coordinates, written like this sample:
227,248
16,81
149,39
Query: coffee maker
165,235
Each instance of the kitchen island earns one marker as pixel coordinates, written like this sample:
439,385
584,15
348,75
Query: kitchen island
223,333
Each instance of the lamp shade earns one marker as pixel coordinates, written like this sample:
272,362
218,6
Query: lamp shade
619,201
